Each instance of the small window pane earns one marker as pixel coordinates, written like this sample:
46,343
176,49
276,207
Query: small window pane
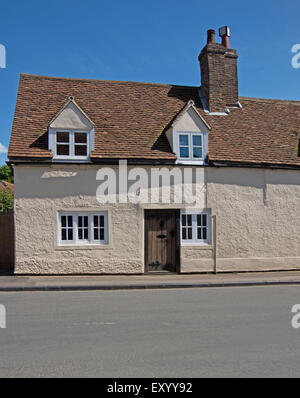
204,233
197,152
204,220
183,140
197,140
102,221
184,233
70,221
63,234
80,150
183,219
86,233
184,152
63,221
80,234
62,136
199,233
62,150
101,234
190,233
86,221
96,234
95,221
70,234
189,219
80,138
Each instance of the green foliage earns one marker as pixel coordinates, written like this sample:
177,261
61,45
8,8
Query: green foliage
6,200
5,174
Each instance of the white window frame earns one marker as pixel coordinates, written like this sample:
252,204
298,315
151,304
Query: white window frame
195,240
190,145
82,242
191,159
71,155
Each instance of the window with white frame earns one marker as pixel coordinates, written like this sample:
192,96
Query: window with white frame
195,227
190,146
82,228
72,144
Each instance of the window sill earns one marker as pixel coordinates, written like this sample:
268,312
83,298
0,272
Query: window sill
71,160
84,247
191,162
202,246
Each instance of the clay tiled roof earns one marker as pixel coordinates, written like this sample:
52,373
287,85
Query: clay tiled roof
130,120
6,185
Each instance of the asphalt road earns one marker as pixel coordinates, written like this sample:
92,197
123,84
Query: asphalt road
216,332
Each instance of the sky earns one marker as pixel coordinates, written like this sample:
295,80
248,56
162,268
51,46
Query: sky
146,41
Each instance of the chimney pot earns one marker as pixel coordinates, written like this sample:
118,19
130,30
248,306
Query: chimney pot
211,33
224,32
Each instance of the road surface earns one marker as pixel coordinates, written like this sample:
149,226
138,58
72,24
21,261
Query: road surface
208,332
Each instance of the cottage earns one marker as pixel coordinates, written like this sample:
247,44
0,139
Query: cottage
126,178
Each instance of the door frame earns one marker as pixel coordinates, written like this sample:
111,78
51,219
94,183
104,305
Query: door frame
177,240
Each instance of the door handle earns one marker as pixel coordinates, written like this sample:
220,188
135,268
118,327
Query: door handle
161,236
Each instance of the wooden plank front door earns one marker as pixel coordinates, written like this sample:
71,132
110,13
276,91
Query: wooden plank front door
161,240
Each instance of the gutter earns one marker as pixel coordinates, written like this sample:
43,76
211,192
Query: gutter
224,163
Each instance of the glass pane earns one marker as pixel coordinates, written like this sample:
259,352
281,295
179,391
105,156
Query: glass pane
190,235
96,234
101,221
183,220
63,234
197,152
204,233
199,221
184,233
184,152
101,234
199,233
197,140
184,140
204,220
62,136
80,150
70,221
62,150
80,234
79,221
189,219
86,221
70,234
86,233
80,138
95,221
63,221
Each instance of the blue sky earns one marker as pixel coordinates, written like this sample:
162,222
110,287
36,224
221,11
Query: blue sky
150,41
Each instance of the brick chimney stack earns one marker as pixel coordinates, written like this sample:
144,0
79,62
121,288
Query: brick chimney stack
218,64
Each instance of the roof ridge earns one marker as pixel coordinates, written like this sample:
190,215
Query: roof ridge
104,81
269,100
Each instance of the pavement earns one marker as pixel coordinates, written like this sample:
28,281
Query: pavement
149,281
226,332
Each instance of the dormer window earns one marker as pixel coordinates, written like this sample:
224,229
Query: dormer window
188,136
71,134
190,146
72,144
